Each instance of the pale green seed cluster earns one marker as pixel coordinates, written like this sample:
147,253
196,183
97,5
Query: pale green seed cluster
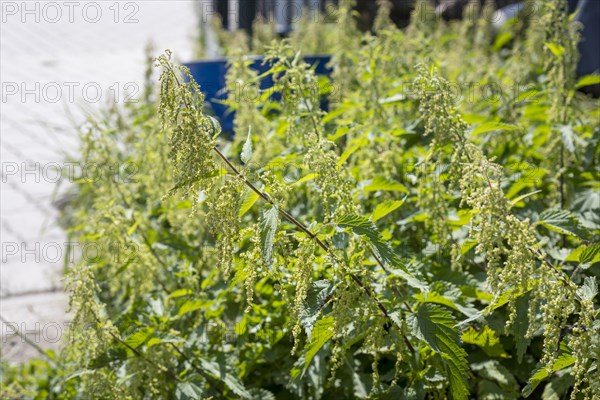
438,109
561,57
223,215
301,279
346,299
509,244
447,128
584,343
192,138
94,333
558,306
334,186
251,260
374,342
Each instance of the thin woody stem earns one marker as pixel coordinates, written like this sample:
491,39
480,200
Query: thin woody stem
301,227
285,214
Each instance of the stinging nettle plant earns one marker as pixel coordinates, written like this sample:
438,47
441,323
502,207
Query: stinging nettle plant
390,248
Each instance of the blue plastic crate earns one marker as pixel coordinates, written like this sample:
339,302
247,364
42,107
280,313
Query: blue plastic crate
210,75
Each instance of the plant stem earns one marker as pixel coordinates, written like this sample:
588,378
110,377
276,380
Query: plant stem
29,341
301,227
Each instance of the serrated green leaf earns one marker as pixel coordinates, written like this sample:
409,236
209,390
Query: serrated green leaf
261,394
467,246
435,325
590,253
220,371
437,298
268,227
215,126
321,333
496,372
523,197
488,390
363,227
564,360
493,126
247,148
486,339
382,184
385,208
188,391
568,137
249,200
163,338
527,95
367,229
193,305
306,178
558,387
589,290
520,326
562,221
180,293
317,296
138,338
348,152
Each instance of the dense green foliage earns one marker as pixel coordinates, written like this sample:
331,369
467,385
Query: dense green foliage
434,235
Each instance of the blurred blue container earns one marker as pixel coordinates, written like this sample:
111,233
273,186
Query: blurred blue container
210,75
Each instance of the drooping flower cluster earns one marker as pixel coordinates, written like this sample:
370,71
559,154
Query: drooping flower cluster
193,133
223,214
301,278
514,265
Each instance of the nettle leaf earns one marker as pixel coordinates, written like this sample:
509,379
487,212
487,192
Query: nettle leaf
382,184
381,248
250,199
138,338
589,290
558,387
359,384
320,334
363,227
219,370
318,295
193,305
521,326
568,137
494,126
486,339
556,49
247,148
188,391
385,208
562,221
434,297
588,80
215,126
435,325
496,372
590,253
563,360
268,228
262,394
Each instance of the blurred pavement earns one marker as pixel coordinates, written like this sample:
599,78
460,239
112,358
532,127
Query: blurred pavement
56,59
